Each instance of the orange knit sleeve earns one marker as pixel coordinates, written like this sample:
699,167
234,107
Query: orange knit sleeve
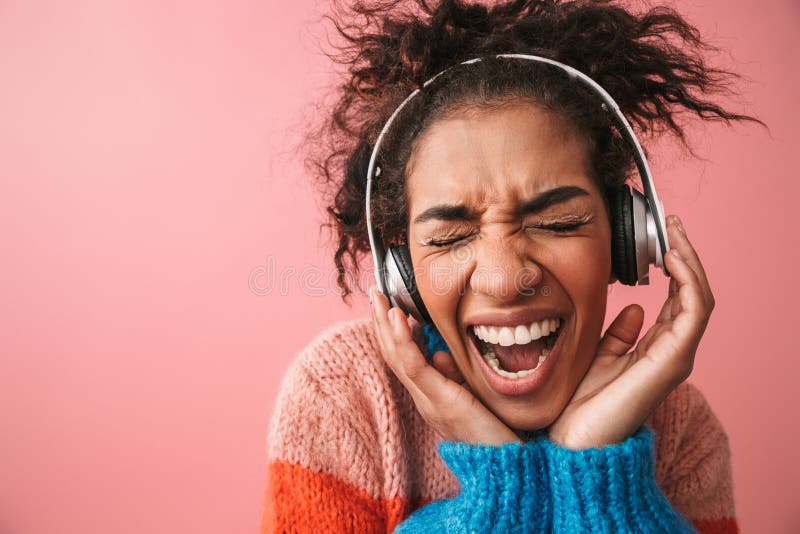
304,501
698,477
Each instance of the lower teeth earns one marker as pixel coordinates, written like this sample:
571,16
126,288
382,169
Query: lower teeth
494,363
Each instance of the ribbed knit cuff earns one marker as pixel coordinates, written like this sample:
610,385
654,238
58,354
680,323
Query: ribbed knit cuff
612,489
503,488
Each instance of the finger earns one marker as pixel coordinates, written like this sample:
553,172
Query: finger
665,314
404,357
623,331
679,240
381,313
689,299
444,363
673,287
378,306
411,366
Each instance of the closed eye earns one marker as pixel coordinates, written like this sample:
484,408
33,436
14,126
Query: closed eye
563,225
445,242
557,227
562,228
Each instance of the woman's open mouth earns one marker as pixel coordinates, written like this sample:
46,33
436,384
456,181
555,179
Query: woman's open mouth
517,360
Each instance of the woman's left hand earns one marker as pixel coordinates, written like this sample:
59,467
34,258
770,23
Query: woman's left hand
622,389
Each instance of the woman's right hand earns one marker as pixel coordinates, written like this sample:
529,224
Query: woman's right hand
445,404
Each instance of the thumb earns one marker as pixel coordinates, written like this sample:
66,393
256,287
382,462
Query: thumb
443,362
623,331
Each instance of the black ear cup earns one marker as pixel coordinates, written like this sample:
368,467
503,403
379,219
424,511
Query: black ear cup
623,239
402,258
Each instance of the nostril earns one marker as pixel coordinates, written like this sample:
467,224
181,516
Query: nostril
508,277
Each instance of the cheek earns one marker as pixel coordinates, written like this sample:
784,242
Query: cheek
590,273
586,282
439,282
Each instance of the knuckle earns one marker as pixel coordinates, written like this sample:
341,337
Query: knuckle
435,418
413,369
683,369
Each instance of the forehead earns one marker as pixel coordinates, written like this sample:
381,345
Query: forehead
495,155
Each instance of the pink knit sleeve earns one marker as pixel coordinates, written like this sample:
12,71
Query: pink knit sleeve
324,463
695,461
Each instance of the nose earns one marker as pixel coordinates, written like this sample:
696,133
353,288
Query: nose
504,270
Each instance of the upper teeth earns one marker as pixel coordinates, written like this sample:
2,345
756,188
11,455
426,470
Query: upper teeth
521,334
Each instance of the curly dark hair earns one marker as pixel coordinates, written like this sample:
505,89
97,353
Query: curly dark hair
651,63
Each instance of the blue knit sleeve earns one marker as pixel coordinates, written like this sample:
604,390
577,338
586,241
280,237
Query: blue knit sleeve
503,490
612,489
543,487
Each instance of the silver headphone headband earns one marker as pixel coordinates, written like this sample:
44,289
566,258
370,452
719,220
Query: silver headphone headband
609,104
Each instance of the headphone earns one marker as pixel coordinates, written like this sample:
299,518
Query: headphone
638,229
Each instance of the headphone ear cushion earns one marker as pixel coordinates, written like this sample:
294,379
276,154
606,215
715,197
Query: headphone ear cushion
623,240
402,258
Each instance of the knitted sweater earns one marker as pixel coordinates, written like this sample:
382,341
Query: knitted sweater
348,452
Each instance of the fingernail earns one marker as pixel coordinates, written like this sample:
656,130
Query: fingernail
676,253
679,224
393,318
371,296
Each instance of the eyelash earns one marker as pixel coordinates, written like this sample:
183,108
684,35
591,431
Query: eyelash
558,228
445,243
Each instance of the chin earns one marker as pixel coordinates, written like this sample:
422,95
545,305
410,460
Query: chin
536,400
527,419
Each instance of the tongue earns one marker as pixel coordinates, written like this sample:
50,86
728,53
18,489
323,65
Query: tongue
518,357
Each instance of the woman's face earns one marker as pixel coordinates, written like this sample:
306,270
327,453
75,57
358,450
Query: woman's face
508,231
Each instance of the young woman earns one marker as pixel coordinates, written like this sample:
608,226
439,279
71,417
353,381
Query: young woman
525,416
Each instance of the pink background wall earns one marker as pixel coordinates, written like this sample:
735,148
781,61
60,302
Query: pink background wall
146,177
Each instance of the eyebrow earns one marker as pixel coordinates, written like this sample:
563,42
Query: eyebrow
459,212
